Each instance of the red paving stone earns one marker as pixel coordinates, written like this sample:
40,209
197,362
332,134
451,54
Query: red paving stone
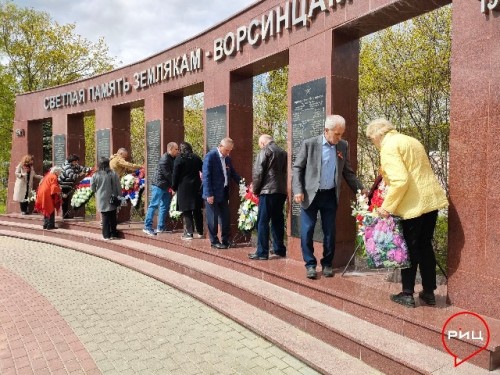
34,338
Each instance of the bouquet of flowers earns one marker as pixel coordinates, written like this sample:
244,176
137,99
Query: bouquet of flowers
31,196
173,213
83,193
383,237
132,186
249,208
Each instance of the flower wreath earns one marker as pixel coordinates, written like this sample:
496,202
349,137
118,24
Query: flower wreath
83,193
383,237
173,213
133,186
249,207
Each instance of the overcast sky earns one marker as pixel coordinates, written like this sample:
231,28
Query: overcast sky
136,29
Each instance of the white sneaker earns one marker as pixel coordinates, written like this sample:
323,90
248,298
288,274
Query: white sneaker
198,236
149,232
187,237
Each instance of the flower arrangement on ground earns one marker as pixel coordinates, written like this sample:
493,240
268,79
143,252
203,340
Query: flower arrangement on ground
82,193
383,237
132,186
31,196
173,213
249,207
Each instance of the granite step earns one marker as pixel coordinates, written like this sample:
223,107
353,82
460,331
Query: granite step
388,351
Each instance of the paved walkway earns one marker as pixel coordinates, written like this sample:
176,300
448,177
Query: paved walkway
66,312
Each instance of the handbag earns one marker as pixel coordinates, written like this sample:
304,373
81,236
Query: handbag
114,200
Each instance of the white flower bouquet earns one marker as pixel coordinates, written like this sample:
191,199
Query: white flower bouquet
31,196
128,182
132,187
173,213
81,196
249,208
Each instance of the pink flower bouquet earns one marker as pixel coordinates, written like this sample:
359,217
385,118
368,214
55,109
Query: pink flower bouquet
384,242
383,237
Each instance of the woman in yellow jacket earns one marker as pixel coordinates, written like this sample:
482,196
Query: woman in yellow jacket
415,195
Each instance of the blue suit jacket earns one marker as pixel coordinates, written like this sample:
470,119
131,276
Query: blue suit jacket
213,176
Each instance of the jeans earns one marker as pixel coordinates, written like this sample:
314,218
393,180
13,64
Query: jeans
109,224
159,198
326,203
418,233
271,209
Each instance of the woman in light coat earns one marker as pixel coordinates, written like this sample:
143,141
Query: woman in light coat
105,183
24,183
415,195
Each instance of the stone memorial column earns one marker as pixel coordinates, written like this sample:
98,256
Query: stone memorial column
229,113
474,215
323,80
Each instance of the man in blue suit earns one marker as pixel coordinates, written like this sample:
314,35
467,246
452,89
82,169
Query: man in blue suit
217,170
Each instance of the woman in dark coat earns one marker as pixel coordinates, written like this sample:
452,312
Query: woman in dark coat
186,182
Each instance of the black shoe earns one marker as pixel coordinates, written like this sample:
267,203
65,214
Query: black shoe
255,256
272,252
51,227
311,272
404,299
327,271
219,246
428,297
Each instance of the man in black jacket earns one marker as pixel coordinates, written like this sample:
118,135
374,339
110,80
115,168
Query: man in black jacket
269,183
160,194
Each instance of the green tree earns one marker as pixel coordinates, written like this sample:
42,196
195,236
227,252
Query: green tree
271,106
40,53
405,77
137,134
193,122
36,52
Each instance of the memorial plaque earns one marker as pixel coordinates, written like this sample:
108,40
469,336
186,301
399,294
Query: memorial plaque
153,148
103,144
308,120
59,149
216,122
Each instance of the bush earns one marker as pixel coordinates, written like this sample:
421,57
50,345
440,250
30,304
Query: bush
440,241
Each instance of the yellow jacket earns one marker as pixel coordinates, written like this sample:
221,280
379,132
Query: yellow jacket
413,188
121,166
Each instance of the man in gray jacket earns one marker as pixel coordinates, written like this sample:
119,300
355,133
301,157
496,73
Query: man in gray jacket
269,183
320,163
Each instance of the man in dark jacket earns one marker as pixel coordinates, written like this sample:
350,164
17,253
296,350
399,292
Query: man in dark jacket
160,194
269,183
71,172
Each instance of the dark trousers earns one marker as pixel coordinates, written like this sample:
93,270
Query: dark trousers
418,233
271,210
66,204
109,224
24,205
49,222
193,219
326,204
215,212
